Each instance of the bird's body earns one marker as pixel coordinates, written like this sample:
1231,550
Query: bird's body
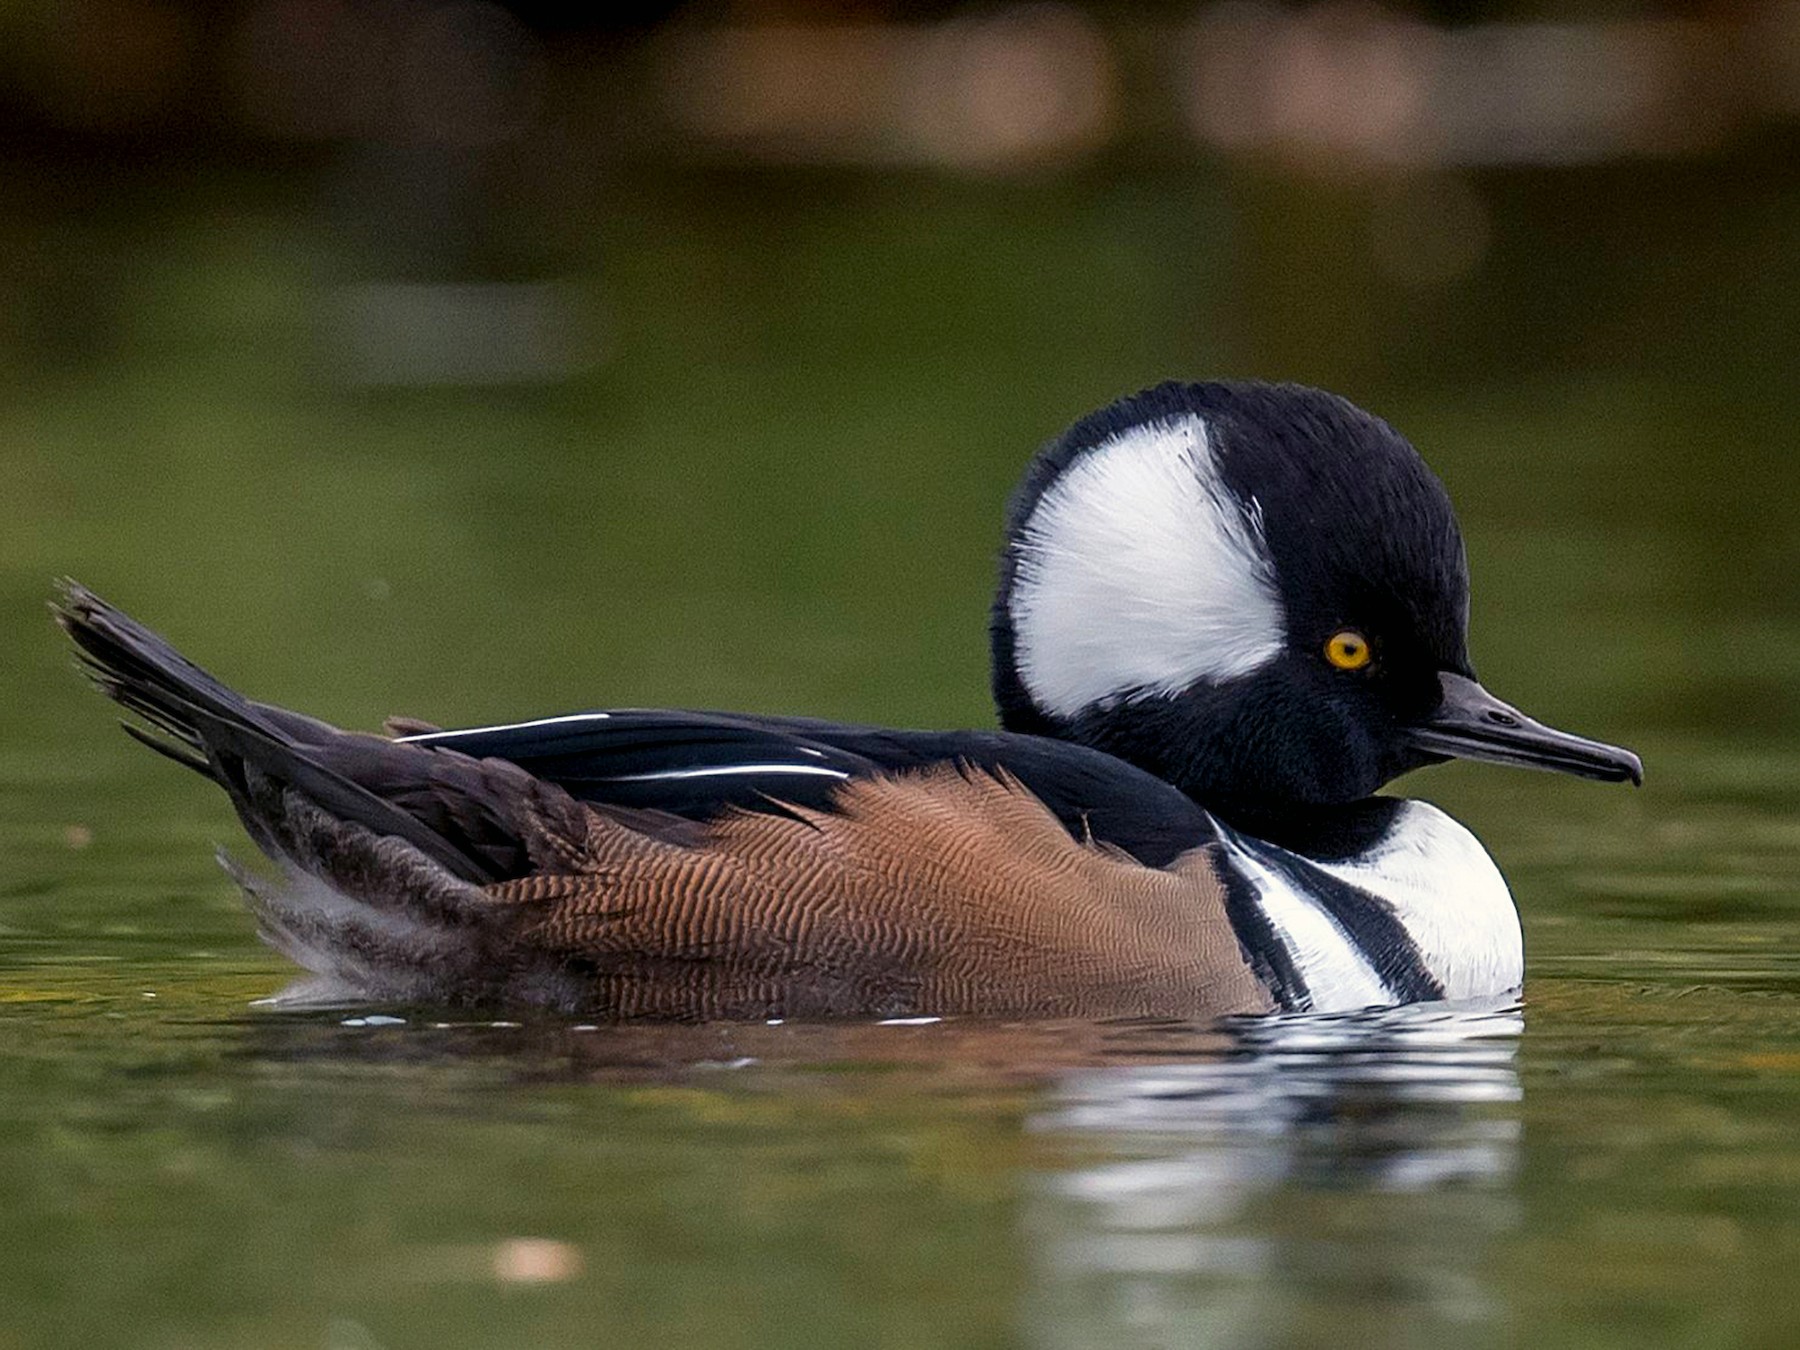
1202,674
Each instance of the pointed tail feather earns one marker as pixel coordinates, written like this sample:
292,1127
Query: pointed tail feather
212,729
384,846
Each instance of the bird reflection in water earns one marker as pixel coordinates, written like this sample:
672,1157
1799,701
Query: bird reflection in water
1283,1180
1344,1174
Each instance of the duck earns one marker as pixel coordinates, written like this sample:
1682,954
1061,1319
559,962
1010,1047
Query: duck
1228,614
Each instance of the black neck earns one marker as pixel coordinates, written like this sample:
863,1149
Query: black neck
1322,833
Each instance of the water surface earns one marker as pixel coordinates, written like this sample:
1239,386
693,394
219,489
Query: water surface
781,492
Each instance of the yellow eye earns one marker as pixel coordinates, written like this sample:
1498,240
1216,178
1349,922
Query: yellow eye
1348,650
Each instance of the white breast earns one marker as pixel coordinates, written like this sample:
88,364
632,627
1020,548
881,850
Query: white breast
1450,896
1439,884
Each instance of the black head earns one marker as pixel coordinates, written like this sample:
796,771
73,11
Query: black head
1256,592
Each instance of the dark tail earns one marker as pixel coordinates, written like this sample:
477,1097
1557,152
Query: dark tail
386,846
444,805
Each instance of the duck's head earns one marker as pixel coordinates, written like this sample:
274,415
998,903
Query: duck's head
1256,592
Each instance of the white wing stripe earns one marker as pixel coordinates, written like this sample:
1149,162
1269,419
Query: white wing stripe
726,770
509,726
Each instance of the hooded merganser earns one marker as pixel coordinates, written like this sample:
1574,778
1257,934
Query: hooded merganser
1228,613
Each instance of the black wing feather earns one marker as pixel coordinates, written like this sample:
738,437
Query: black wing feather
690,765
697,764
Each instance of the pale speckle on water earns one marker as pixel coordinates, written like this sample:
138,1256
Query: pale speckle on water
534,1260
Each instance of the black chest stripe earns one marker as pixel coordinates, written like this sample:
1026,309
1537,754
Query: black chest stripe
1366,919
1269,958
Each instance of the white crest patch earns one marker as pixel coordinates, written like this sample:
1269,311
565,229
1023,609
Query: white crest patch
1138,573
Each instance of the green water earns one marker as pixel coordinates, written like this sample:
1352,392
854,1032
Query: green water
780,491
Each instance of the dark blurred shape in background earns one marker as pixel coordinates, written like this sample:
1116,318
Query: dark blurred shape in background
455,153
1343,87
809,278
1000,90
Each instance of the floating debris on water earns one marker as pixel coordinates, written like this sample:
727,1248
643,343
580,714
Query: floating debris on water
524,1260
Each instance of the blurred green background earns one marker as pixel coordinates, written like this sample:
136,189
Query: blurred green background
473,363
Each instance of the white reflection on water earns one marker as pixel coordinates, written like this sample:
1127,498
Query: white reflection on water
1327,1169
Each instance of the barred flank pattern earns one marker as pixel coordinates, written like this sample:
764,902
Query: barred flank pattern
941,893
